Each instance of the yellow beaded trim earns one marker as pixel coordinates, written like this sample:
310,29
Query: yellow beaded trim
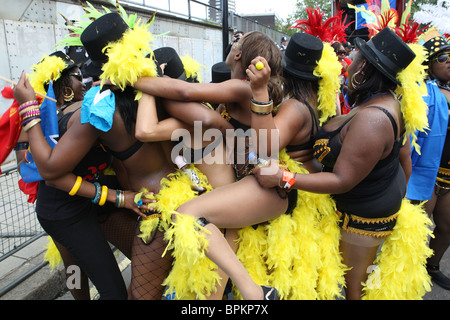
444,171
377,234
324,149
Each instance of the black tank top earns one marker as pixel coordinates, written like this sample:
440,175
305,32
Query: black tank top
96,160
375,186
55,204
327,145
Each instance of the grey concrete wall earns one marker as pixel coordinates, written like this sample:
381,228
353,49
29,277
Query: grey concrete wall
31,28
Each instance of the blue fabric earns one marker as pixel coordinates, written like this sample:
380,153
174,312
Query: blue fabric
425,166
98,108
49,126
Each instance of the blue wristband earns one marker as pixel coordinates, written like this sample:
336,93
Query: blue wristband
98,193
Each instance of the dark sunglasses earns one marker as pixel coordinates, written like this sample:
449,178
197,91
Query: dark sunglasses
341,52
77,75
442,58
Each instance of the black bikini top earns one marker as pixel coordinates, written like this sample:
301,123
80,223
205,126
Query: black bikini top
328,145
309,145
124,155
235,123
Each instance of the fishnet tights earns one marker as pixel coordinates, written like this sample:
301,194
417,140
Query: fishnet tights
149,268
118,227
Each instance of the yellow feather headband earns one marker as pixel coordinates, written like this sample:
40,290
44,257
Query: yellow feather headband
192,67
127,59
48,69
412,88
328,70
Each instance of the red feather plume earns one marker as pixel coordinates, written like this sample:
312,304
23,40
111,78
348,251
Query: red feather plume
330,30
409,31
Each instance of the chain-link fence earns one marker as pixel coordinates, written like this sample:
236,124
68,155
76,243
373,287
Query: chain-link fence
18,223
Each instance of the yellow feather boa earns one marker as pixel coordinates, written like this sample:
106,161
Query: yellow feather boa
414,108
193,275
400,272
52,254
175,190
300,251
328,69
253,259
127,59
192,68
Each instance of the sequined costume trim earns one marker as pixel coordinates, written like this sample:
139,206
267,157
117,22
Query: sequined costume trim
372,227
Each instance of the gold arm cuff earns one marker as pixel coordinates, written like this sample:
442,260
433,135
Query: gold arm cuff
262,109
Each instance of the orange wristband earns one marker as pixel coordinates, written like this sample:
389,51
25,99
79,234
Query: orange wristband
288,178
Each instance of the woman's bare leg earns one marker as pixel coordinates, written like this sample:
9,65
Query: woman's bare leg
237,205
231,235
359,253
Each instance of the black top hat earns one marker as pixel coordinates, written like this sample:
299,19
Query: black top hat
69,62
387,52
302,54
220,72
436,45
106,29
174,66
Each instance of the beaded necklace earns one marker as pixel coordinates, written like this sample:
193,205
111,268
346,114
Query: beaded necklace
442,85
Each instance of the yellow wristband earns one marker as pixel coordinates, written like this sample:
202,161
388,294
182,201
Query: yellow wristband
76,186
103,196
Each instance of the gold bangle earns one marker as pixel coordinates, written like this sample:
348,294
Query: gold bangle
29,103
35,115
103,196
121,199
28,109
31,124
76,186
262,109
